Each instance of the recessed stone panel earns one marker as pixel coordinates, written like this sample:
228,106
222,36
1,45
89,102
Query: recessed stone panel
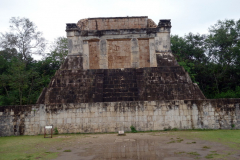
119,54
94,54
144,56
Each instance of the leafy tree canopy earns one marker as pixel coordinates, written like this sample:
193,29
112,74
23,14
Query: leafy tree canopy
23,37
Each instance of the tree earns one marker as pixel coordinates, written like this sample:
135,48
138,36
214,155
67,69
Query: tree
190,47
223,48
59,50
189,52
21,82
212,60
223,42
23,37
53,60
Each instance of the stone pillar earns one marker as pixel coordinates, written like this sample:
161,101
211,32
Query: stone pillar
85,55
163,44
103,57
153,61
162,41
75,44
134,53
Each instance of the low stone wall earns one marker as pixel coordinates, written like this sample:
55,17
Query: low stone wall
114,116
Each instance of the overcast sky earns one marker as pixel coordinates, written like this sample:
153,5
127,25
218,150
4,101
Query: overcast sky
51,16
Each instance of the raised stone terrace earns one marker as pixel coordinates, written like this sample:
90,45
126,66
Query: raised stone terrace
119,59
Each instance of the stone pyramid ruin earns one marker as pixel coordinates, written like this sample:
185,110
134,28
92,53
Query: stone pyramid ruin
119,72
119,59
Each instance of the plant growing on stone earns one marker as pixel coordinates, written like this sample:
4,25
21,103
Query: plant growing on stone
68,150
55,131
133,129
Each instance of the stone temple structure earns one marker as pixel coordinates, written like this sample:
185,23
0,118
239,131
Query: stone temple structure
119,59
119,72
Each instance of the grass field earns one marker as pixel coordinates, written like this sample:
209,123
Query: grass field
27,147
230,138
37,147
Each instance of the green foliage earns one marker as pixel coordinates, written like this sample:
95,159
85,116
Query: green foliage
68,150
206,147
189,52
193,153
175,129
212,61
59,50
55,131
229,93
210,156
189,67
133,129
21,81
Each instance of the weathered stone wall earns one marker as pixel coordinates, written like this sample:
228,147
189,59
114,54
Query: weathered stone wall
115,116
120,42
109,85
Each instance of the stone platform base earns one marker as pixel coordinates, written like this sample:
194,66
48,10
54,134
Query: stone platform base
115,116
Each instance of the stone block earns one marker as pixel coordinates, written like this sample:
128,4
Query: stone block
104,119
149,118
156,113
184,107
42,123
121,119
164,108
185,112
59,121
104,114
211,113
108,114
70,34
194,112
150,113
145,112
69,120
73,115
111,108
91,114
153,103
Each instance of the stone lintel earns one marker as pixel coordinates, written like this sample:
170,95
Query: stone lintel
100,33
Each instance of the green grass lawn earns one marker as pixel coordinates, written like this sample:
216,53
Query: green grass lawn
27,147
230,138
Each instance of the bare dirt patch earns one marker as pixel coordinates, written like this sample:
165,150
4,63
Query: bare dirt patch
152,145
